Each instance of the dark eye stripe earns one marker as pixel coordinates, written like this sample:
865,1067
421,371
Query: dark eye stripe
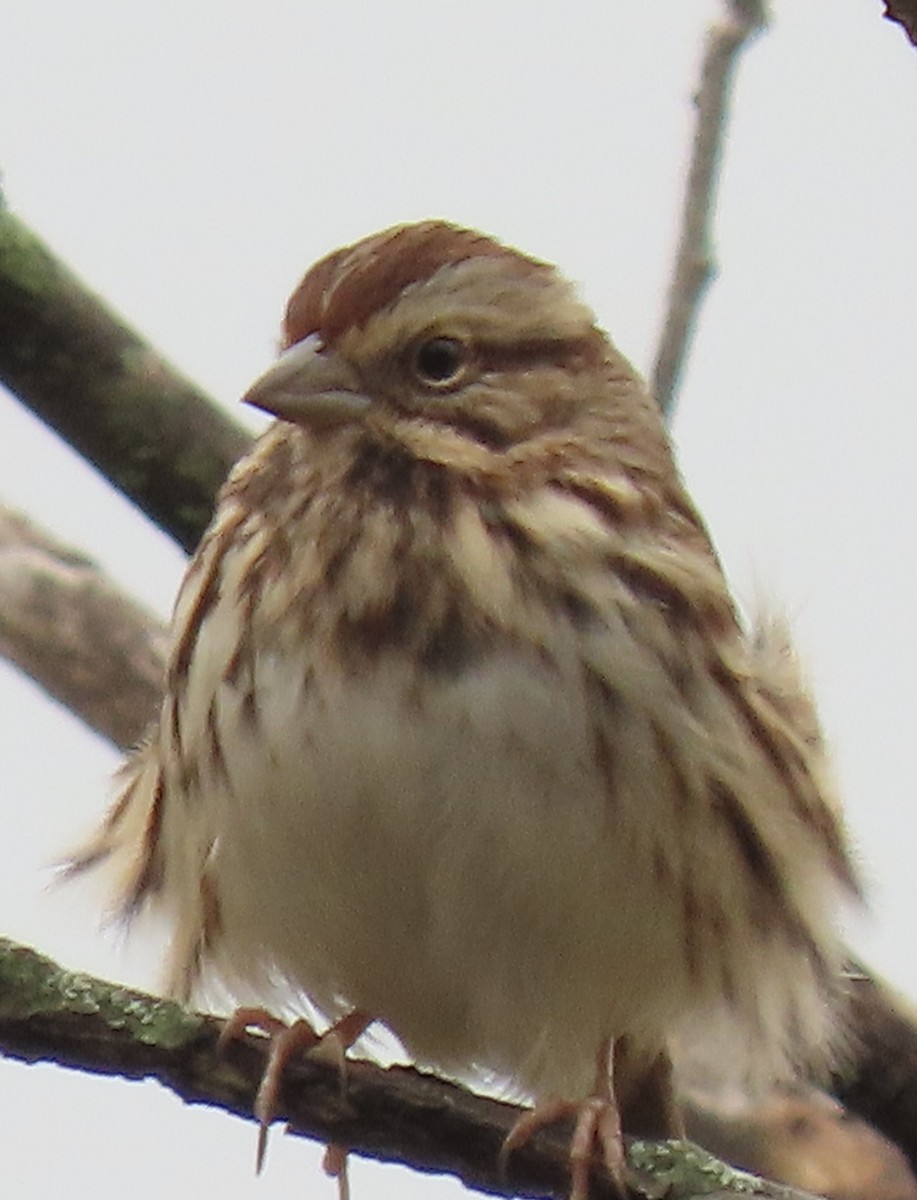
580,352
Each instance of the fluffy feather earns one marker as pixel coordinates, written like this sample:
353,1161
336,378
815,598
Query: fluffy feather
461,727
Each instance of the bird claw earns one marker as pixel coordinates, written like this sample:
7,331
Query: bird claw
597,1122
334,1164
244,1019
286,1042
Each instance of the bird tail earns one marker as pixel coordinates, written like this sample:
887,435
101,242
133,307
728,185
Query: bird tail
128,842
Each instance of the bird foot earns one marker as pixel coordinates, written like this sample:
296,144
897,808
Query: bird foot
597,1123
287,1041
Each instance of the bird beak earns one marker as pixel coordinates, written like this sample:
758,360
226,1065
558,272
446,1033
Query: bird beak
309,385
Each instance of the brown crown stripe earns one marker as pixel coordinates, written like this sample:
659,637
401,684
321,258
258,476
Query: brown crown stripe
343,290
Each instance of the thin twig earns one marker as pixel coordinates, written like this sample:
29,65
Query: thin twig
694,267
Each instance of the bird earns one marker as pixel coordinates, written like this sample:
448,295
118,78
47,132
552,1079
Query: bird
463,732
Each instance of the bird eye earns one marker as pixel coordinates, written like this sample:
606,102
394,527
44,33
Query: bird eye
441,360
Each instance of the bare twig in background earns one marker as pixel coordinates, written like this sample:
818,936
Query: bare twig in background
395,1114
905,13
694,268
64,623
107,392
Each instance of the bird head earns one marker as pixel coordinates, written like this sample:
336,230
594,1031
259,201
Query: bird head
446,342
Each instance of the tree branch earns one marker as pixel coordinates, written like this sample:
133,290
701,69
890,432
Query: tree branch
905,13
694,268
394,1115
107,392
882,1087
89,644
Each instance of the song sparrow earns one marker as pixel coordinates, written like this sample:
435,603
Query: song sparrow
461,729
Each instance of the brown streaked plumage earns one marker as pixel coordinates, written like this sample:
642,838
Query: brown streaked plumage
462,729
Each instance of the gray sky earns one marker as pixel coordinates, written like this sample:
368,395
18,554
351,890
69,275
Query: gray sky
190,160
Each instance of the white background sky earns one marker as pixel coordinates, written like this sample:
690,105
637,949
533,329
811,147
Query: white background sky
191,158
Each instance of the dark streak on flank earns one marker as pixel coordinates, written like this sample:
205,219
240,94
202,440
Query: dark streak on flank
754,853
633,621
190,776
609,703
211,912
789,762
215,742
610,699
666,751
786,758
104,845
239,673
580,609
248,707
684,679
239,661
116,816
174,722
653,587
498,522
763,868
149,877
204,601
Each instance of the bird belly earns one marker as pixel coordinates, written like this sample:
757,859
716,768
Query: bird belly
444,854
